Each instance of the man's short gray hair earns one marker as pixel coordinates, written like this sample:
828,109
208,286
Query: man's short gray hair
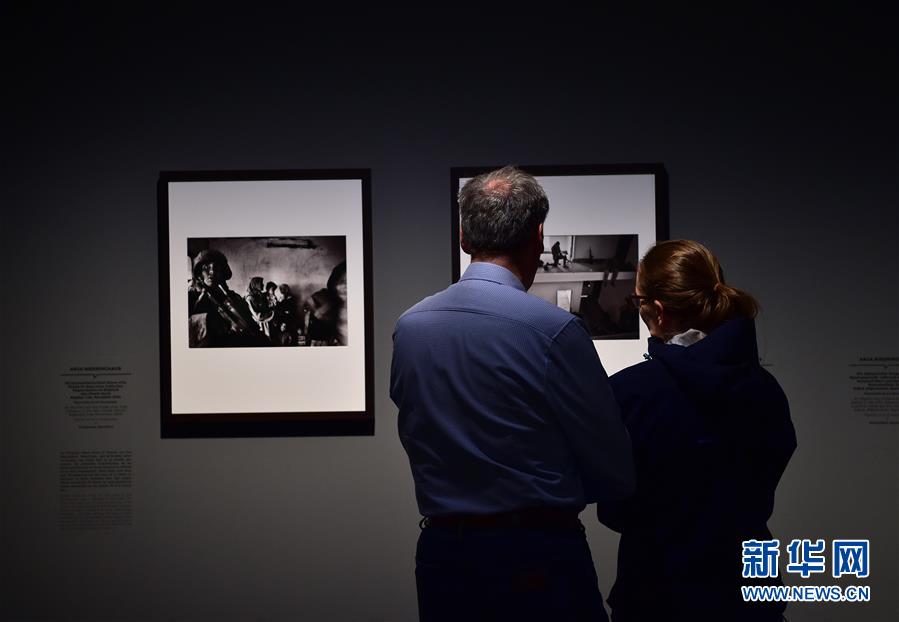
499,209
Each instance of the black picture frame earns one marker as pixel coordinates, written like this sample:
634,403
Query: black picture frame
260,422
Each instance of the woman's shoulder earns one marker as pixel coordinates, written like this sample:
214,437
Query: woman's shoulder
640,380
760,391
657,412
638,372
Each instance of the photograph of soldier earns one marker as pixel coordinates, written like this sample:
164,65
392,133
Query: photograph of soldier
296,292
218,316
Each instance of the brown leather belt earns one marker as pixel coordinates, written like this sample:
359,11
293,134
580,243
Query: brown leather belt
531,518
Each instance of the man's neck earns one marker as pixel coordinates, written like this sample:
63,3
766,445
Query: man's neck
506,262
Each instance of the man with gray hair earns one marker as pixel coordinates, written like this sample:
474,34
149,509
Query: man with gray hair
509,423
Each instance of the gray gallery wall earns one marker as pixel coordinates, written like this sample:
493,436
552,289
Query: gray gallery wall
779,136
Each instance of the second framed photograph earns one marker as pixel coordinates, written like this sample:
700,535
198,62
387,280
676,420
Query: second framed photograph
265,303
602,219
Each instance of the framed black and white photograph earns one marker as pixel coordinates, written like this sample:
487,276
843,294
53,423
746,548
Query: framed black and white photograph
602,219
265,303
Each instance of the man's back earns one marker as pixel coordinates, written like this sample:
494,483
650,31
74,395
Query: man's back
503,402
509,423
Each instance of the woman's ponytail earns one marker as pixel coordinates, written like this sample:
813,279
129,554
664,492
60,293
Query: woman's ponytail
730,303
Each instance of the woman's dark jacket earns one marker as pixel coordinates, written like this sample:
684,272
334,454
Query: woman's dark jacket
712,435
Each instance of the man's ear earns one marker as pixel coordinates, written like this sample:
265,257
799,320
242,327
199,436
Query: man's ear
540,233
463,243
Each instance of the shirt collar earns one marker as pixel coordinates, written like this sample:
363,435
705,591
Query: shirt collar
687,338
486,271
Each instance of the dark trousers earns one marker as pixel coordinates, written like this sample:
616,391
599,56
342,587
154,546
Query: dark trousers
517,574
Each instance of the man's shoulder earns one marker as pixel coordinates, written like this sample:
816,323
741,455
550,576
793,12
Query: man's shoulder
480,302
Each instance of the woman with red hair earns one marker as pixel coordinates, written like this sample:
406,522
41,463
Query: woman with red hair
711,434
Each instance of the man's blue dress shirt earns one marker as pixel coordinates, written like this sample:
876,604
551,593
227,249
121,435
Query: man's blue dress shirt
503,403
